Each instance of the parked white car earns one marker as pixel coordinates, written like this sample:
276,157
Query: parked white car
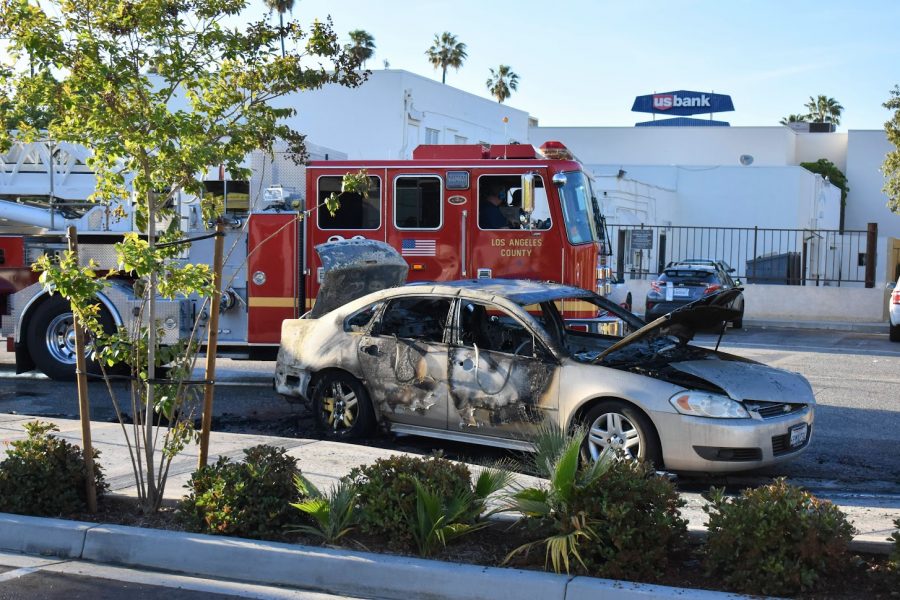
894,309
491,361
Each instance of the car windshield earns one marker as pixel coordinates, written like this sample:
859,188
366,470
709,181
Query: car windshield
578,210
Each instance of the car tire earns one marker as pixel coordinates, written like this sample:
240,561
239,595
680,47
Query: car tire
894,333
622,425
50,338
738,323
342,406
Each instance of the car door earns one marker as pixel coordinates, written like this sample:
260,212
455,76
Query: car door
503,378
404,361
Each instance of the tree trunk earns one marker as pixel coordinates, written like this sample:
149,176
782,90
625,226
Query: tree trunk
152,491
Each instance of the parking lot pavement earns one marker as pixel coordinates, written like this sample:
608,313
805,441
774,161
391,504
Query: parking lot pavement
324,462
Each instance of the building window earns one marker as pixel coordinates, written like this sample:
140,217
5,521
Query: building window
432,136
355,212
460,139
417,202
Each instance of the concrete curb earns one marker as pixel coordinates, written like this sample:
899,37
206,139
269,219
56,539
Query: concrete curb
851,326
334,571
42,536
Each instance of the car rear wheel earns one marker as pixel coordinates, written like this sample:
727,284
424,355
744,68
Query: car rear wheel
342,406
619,425
894,333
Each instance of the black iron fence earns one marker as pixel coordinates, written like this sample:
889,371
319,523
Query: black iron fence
772,256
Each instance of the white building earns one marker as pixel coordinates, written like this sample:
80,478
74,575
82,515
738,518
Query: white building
737,177
395,111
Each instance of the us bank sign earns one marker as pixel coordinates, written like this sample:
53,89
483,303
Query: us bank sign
683,103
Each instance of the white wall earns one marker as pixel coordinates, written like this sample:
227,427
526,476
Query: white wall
866,203
674,145
813,146
369,122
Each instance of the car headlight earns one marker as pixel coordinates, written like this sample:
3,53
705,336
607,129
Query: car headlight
706,404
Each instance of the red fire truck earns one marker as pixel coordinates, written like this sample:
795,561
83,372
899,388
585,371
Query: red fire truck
453,212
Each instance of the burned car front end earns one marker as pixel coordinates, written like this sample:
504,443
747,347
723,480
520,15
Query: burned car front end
711,411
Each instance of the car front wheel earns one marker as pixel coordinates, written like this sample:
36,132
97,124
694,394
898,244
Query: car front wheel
342,406
619,425
894,333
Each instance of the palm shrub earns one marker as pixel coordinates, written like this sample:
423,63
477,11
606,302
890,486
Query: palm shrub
440,519
635,518
246,499
553,507
775,539
333,515
45,475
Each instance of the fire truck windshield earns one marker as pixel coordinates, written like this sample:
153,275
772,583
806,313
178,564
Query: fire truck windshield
577,206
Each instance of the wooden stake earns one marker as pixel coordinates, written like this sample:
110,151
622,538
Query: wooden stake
212,343
84,410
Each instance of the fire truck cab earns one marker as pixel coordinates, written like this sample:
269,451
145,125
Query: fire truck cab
467,211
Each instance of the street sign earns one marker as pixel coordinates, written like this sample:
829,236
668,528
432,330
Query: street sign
641,239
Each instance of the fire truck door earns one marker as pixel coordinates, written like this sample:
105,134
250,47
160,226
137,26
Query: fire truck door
426,227
273,286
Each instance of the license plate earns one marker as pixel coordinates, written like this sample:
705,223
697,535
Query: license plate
798,435
681,292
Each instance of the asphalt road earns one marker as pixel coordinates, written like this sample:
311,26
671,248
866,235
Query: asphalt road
856,378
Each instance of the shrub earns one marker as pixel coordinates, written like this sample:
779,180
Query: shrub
894,559
44,475
775,539
635,518
387,492
333,515
247,499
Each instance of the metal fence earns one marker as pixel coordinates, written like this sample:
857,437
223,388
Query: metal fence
771,256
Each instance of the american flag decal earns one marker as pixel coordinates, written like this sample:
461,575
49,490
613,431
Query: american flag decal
418,248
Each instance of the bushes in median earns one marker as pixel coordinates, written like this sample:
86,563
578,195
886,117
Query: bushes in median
44,475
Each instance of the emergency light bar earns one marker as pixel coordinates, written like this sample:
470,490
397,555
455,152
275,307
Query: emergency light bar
554,150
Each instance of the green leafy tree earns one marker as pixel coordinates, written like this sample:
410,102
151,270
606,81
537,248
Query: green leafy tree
502,83
446,51
281,6
829,170
891,166
208,104
362,46
823,109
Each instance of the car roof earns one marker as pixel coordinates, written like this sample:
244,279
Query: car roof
519,291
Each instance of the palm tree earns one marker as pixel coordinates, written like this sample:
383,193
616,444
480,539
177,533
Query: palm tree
282,6
362,47
445,52
502,83
793,119
823,109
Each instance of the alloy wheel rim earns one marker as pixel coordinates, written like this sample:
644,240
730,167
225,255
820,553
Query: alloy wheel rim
614,430
339,407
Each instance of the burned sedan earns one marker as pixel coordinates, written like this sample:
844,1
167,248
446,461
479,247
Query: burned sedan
490,361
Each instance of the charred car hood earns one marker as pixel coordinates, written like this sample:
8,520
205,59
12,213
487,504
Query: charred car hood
706,314
750,380
354,268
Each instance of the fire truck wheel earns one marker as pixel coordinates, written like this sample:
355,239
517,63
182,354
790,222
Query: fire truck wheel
342,406
50,339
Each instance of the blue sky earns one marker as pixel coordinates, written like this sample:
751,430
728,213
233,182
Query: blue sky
581,63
